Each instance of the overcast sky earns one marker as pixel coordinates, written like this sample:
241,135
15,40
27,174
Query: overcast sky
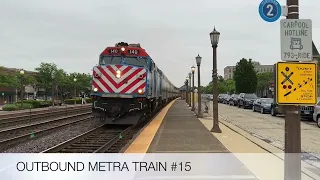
72,33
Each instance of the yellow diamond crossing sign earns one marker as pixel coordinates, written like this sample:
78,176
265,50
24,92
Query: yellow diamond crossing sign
296,83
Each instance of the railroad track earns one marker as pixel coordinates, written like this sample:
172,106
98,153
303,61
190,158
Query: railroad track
104,139
31,117
98,140
11,137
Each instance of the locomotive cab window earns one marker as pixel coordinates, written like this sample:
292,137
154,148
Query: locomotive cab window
110,60
136,61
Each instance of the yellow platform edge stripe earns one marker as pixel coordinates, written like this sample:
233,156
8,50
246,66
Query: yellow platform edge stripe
142,142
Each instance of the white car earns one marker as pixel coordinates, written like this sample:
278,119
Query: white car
316,112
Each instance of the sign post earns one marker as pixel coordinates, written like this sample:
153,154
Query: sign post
296,83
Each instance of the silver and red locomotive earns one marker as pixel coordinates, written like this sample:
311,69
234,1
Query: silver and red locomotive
127,85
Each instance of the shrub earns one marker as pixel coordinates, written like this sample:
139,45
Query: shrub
36,103
24,106
78,101
10,107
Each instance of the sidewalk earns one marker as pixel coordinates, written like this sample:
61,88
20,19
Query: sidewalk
262,159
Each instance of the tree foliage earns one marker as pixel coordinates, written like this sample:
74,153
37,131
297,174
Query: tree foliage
224,86
13,80
50,76
264,80
245,77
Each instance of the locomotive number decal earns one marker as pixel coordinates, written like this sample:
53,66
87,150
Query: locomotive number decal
133,51
113,51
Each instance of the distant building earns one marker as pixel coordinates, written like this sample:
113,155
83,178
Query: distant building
11,94
229,70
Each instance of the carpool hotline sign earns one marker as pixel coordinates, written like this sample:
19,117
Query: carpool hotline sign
296,83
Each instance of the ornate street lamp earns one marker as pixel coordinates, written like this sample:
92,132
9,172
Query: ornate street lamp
53,74
198,61
193,69
75,91
21,86
214,37
190,99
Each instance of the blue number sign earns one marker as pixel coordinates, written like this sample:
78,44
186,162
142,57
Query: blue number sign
270,10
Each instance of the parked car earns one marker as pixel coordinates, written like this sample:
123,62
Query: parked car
221,98
246,100
226,99
306,111
233,101
263,105
316,113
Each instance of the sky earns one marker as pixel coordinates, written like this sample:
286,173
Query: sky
73,33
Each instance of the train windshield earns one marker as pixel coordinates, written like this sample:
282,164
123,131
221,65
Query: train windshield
136,61
110,60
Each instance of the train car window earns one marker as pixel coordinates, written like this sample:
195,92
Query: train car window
136,61
151,65
110,60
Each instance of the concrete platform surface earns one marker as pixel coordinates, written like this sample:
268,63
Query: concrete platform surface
182,132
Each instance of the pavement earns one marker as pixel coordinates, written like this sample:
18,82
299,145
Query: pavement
182,132
260,136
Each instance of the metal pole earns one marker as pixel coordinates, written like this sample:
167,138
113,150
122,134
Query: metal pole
292,163
190,98
215,115
52,94
21,91
187,91
75,94
192,109
199,95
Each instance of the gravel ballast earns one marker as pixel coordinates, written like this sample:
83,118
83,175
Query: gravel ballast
40,144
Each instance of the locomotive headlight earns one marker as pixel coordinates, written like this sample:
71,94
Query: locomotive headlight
140,91
118,75
122,49
95,89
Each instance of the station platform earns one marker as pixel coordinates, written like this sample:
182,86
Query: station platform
176,129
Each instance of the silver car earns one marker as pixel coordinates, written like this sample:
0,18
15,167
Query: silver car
316,113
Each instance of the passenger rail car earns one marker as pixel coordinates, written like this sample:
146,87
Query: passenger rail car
127,84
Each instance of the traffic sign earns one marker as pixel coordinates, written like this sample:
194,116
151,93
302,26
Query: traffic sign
296,83
270,10
296,40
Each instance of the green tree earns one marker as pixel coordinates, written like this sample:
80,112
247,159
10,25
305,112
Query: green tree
46,70
264,80
245,77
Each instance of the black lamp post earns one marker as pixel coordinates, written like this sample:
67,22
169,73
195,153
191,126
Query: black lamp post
52,93
214,36
187,89
193,69
75,91
21,86
198,60
190,99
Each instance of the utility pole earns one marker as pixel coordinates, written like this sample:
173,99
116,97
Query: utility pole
292,163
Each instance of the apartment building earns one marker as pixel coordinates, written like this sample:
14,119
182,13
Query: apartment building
229,70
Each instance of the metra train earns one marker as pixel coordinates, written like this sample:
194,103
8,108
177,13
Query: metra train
127,84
